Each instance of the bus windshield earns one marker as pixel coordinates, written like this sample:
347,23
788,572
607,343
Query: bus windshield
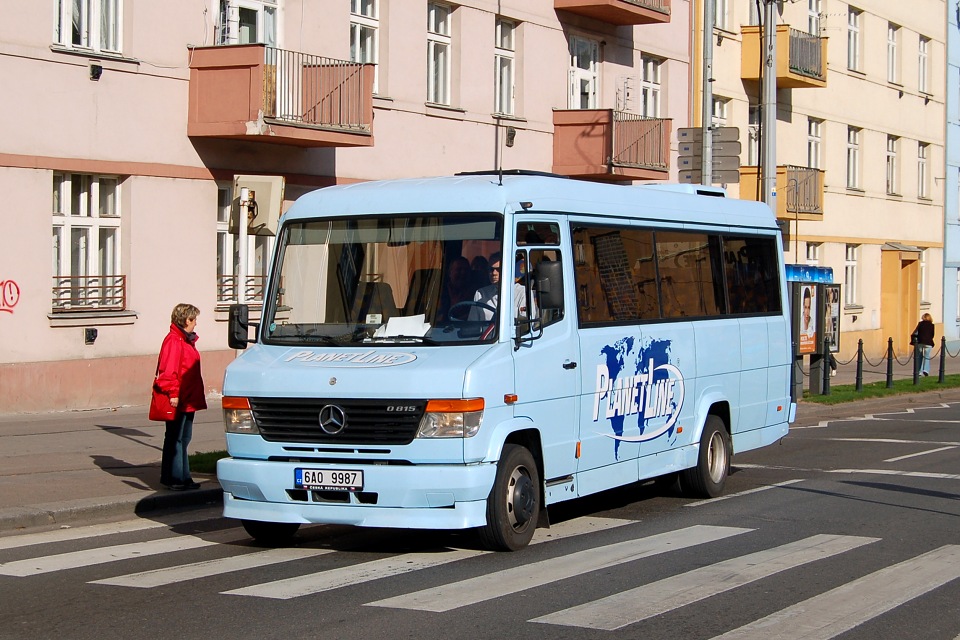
406,279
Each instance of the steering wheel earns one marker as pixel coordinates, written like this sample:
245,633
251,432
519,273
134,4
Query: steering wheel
467,304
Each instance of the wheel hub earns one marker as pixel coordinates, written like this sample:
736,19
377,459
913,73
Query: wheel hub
523,500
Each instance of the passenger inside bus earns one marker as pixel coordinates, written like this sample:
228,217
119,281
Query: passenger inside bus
457,287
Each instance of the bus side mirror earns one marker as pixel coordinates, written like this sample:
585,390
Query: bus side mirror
238,326
550,284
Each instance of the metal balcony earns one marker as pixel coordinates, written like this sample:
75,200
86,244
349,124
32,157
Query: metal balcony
256,92
619,12
799,189
89,293
801,57
609,145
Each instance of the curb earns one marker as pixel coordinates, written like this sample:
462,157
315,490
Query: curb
72,511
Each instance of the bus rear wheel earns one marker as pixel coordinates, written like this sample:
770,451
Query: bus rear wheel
707,479
513,505
271,534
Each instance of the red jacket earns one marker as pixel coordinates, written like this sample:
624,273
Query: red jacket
179,371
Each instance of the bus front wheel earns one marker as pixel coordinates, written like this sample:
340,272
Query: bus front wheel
513,505
272,534
706,480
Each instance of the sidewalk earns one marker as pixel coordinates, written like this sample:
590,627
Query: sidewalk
77,466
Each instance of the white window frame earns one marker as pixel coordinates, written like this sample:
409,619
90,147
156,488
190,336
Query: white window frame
850,273
721,14
365,36
228,22
814,142
813,253
923,65
854,39
923,276
584,73
259,250
97,25
439,53
753,134
504,66
719,111
86,218
893,166
893,55
814,11
923,170
853,158
650,86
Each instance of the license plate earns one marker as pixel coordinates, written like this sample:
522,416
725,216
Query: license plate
328,479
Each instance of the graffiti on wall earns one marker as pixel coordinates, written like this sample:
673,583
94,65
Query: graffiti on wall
9,295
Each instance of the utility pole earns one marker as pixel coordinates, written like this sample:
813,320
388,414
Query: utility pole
768,168
706,111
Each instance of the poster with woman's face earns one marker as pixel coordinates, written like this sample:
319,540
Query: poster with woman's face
808,319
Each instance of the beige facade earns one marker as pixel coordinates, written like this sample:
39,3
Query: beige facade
125,127
860,148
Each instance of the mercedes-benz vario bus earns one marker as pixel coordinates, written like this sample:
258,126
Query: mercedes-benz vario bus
463,352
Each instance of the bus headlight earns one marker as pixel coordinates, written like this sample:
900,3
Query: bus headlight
237,416
451,419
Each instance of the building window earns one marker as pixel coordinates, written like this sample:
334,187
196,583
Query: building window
247,22
650,87
893,171
853,158
721,14
813,253
439,45
814,9
854,18
753,18
923,65
504,58
86,243
850,274
814,142
923,275
753,135
893,57
923,170
584,73
720,111
259,248
364,35
88,24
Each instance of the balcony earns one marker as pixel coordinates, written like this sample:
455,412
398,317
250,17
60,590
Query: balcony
89,293
227,290
604,144
799,191
804,66
256,92
619,12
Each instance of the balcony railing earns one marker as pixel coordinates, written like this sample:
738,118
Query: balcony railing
227,288
281,96
801,57
619,12
806,55
640,142
89,293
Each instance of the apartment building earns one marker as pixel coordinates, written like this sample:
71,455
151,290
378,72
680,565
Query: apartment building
860,148
127,124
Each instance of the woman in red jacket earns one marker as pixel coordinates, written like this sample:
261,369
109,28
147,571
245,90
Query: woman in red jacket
178,376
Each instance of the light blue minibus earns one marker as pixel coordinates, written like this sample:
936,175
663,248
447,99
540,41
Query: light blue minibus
643,333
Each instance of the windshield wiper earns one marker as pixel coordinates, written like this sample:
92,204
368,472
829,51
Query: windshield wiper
403,338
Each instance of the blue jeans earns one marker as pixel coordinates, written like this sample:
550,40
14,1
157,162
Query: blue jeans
925,349
175,464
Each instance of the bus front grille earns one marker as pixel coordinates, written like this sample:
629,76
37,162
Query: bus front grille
337,421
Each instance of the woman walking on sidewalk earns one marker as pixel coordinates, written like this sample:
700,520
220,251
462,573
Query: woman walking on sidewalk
178,376
925,332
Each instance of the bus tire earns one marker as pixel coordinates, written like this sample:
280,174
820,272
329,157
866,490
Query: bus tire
271,534
513,505
706,480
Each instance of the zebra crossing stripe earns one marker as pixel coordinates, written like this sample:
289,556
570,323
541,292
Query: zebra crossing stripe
355,574
839,610
501,583
90,557
629,607
182,573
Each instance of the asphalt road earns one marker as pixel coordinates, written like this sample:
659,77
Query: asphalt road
848,528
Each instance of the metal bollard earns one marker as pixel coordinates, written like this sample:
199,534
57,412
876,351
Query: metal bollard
860,364
889,363
943,359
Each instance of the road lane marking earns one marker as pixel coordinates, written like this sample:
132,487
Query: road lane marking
839,610
919,453
891,441
183,573
632,606
742,493
355,574
90,557
494,585
880,472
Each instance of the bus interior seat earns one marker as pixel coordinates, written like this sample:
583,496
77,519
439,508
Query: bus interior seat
424,291
375,298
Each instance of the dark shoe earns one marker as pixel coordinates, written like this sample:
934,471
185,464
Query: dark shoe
191,485
177,487
925,373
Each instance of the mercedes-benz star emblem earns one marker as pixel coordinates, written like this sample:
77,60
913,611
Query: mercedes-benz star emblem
333,419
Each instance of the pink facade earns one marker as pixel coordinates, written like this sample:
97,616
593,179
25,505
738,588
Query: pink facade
120,149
